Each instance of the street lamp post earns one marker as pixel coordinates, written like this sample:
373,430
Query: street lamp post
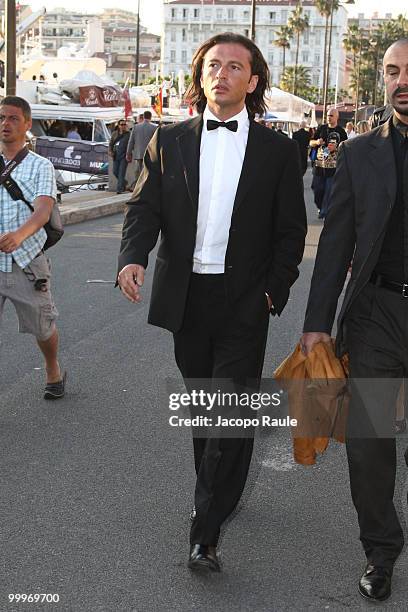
137,44
253,15
10,57
358,80
374,44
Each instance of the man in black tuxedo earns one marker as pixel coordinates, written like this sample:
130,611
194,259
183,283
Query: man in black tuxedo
368,225
227,196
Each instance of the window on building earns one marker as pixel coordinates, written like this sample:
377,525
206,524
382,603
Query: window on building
318,37
230,14
219,14
305,57
271,36
306,37
173,35
196,13
184,35
245,16
272,16
317,59
184,57
270,58
172,56
246,33
195,35
207,14
185,14
284,16
173,14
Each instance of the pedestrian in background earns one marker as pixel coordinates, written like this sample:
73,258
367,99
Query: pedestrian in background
118,147
138,141
302,138
350,131
24,269
325,158
363,127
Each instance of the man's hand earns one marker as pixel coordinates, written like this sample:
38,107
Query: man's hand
130,278
10,241
128,157
310,339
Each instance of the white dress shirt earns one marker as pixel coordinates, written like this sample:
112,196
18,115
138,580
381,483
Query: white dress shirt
221,157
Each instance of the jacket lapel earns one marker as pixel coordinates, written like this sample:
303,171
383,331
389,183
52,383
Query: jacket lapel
382,158
251,163
189,148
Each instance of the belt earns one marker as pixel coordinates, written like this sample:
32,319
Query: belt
382,281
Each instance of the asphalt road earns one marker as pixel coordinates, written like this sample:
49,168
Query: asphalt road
95,489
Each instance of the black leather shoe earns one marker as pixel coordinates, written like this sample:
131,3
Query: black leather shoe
375,583
193,513
203,558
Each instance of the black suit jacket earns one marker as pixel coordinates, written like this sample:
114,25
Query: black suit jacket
268,224
363,195
302,138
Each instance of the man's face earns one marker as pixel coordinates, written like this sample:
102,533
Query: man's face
332,118
396,77
13,125
226,76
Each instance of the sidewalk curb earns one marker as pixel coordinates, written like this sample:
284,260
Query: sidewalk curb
93,210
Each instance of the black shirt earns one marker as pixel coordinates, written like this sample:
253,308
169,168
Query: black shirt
395,245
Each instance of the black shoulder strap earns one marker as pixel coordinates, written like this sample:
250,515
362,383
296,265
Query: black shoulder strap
17,159
10,184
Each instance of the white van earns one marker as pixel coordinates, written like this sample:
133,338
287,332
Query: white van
94,124
80,158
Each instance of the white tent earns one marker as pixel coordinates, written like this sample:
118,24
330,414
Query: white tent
287,108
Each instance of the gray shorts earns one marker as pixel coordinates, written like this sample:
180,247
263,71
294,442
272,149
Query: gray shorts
35,309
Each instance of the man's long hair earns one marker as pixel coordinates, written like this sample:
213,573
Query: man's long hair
254,101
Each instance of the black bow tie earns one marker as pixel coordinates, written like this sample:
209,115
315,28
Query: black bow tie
230,125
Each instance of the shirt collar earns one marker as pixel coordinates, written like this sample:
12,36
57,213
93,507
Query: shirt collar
401,128
242,118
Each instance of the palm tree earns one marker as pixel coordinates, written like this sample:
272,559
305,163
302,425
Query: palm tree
326,8
302,79
282,40
352,42
298,23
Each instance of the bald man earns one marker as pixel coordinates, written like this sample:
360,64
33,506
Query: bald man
368,224
327,139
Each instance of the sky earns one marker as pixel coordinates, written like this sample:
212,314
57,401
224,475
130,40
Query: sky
150,10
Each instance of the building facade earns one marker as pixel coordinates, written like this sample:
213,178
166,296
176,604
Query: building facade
62,28
188,23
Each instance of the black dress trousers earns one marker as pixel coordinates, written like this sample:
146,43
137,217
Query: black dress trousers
377,335
214,344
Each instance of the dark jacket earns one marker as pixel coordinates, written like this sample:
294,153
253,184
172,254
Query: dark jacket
118,145
302,138
268,223
363,195
139,139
